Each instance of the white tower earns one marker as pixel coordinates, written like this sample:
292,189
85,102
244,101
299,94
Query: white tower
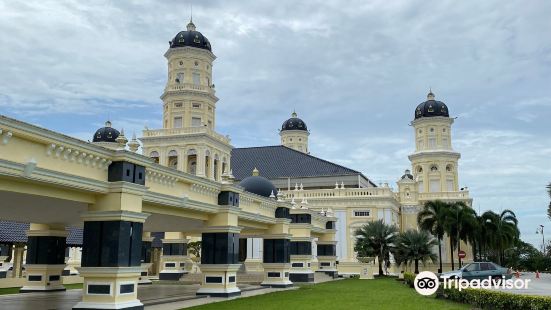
294,134
434,162
188,141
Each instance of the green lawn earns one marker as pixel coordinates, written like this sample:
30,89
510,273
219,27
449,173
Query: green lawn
344,294
15,290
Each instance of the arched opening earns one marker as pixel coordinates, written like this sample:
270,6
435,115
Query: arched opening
224,165
216,164
155,156
207,164
173,159
191,161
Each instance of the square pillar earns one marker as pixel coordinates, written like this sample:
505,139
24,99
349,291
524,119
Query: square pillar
301,260
45,259
111,260
174,257
327,258
220,262
276,261
18,253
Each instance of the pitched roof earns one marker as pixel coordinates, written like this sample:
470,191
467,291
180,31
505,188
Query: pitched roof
279,161
15,232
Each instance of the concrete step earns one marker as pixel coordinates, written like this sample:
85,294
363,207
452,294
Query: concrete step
242,277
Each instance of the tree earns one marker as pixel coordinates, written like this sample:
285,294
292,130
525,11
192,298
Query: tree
502,231
415,246
375,239
432,219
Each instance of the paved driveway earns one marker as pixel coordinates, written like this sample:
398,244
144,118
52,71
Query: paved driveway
541,286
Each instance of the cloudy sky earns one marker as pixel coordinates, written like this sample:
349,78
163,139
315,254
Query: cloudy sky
353,70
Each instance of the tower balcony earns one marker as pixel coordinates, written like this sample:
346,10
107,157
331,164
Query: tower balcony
189,86
452,196
186,131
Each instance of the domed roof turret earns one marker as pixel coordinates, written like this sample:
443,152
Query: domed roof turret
431,108
407,175
190,37
106,134
258,185
294,123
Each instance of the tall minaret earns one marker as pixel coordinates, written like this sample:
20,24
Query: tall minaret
294,134
188,141
434,162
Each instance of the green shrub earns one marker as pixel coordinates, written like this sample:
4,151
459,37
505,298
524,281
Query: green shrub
409,279
486,299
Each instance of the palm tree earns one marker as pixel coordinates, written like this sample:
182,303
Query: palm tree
460,221
432,219
413,245
375,239
503,230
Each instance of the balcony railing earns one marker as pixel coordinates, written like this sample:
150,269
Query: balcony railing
185,131
188,86
444,195
340,193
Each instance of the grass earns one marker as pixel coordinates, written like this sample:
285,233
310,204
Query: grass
15,290
345,294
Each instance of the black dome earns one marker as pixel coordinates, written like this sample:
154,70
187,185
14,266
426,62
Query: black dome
431,108
407,175
258,185
294,123
191,38
106,134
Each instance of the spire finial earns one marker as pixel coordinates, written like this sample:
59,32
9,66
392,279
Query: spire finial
191,25
256,172
294,114
191,13
430,95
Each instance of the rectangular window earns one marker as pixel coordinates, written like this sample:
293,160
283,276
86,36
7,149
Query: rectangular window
178,122
196,122
178,105
450,185
196,105
210,124
445,143
432,142
421,187
196,78
434,186
361,213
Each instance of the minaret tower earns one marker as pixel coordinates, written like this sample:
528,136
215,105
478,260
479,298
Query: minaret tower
434,162
188,141
294,134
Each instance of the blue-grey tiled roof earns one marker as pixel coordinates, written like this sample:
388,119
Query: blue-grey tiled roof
275,162
15,232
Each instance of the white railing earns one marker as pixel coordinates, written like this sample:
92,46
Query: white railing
185,131
340,193
444,195
187,86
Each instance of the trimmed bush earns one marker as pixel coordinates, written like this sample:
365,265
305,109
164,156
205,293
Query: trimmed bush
409,279
486,299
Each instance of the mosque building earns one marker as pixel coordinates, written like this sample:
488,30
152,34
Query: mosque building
280,210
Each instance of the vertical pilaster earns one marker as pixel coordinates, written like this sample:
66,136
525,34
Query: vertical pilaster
18,253
45,258
200,166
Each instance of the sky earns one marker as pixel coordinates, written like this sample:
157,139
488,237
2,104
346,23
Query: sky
353,70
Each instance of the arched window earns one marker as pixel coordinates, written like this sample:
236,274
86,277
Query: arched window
155,156
173,159
449,168
433,168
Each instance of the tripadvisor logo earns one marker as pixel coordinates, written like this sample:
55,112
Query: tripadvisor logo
426,283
